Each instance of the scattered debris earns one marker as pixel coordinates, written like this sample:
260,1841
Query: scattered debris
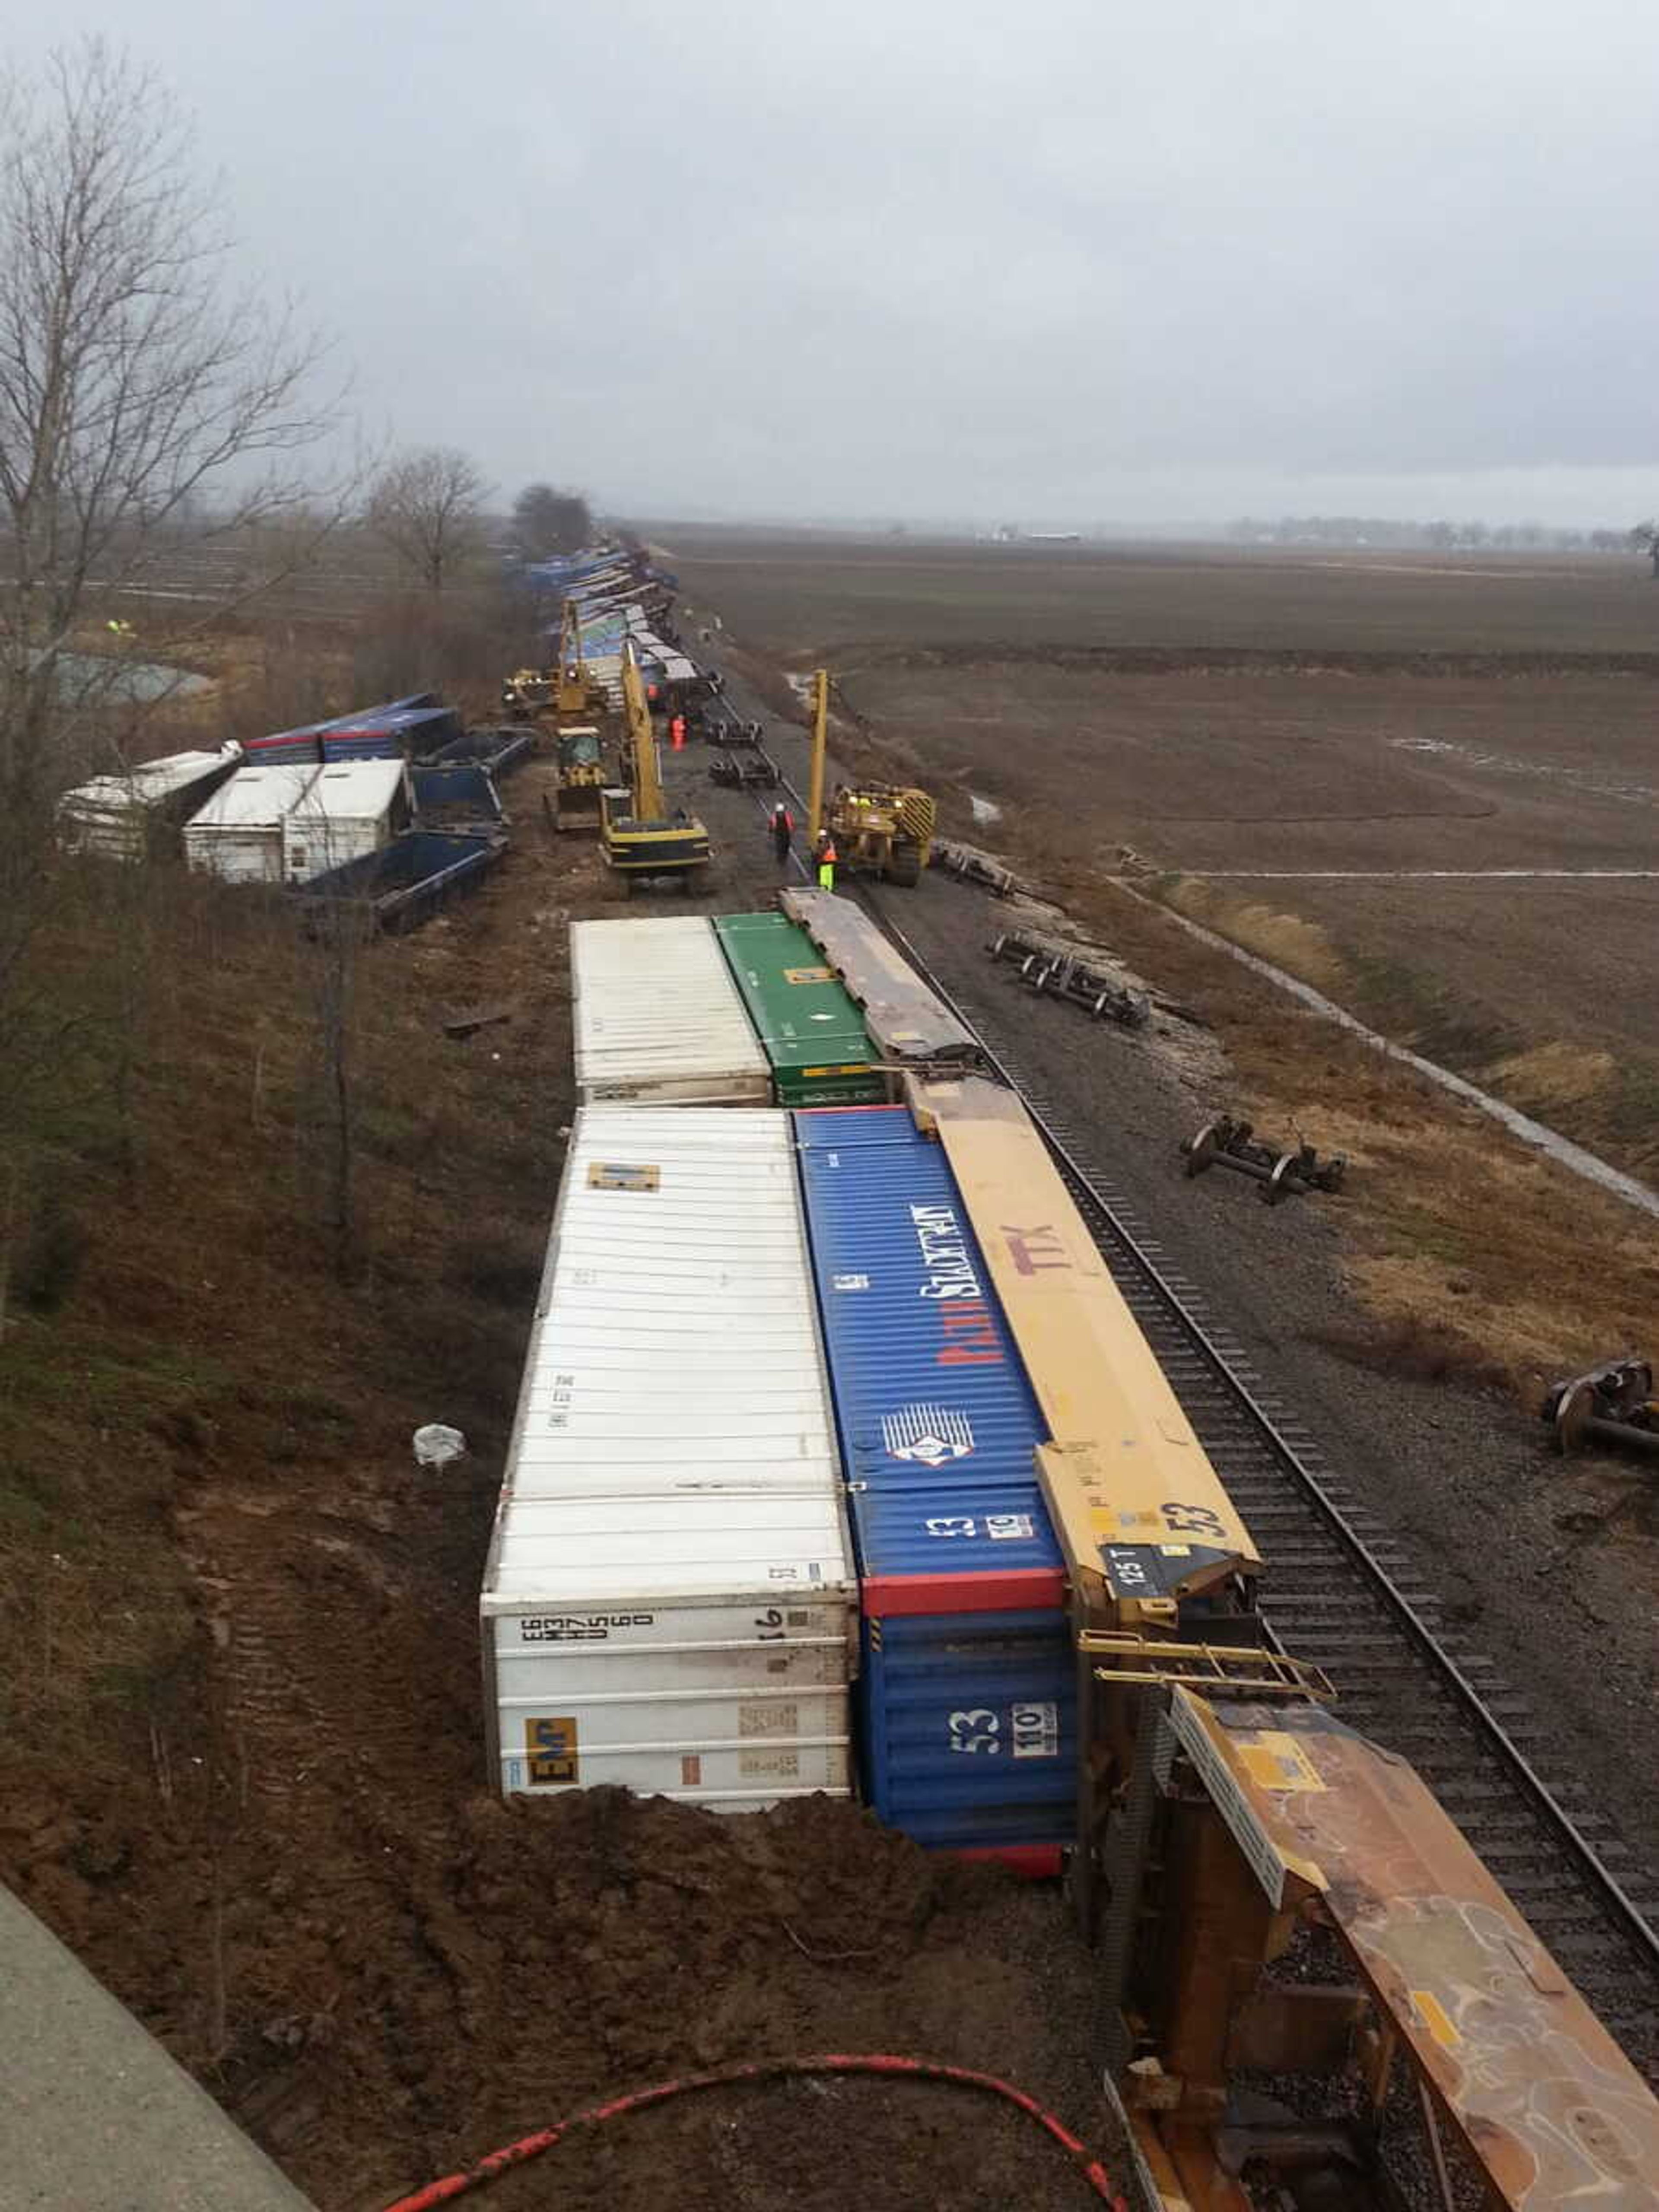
1613,1404
1282,1173
730,732
977,867
438,1445
1066,975
467,1025
747,771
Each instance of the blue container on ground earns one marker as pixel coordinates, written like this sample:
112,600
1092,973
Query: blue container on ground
967,1696
927,1375
969,1733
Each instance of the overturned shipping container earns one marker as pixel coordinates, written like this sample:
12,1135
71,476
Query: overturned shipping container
669,1599
814,1037
657,1017
966,1698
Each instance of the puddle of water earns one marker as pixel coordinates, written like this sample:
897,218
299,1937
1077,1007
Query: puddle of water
1584,779
89,676
984,810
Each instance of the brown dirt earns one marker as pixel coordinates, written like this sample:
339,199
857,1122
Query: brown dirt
789,596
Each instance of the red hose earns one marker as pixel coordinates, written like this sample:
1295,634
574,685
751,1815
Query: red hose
528,2147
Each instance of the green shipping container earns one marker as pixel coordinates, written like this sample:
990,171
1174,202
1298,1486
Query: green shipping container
811,1031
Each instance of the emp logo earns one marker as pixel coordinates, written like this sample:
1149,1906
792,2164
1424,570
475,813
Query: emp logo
1034,1251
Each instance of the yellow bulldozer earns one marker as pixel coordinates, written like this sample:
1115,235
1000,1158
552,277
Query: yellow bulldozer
566,692
883,829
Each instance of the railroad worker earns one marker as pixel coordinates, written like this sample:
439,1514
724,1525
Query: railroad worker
677,732
826,862
783,830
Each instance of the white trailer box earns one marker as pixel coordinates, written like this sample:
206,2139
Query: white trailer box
658,1019
669,1601
119,815
691,1647
286,821
238,834
349,808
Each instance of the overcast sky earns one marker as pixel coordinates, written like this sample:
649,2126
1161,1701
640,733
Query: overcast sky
1062,261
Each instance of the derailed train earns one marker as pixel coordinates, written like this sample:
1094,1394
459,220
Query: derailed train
839,1448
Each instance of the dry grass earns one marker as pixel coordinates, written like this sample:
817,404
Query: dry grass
1551,1075
1457,1233
176,1311
1300,947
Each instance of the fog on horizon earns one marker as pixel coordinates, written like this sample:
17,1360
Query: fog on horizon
1069,265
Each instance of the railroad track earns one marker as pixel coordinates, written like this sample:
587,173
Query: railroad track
1342,1593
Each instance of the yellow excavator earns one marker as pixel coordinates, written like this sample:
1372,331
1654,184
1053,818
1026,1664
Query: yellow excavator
641,836
884,830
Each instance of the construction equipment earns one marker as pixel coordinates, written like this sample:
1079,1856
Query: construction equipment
565,691
577,696
883,829
527,693
582,779
1611,1404
1048,971
641,837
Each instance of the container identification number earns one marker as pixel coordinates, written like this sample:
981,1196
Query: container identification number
1033,1730
999,1527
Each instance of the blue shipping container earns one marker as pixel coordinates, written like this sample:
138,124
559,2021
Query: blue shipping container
927,1380
969,1733
967,1696
956,1551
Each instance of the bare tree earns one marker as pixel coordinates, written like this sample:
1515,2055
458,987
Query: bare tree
425,506
141,400
153,418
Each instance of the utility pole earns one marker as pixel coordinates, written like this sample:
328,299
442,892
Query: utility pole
820,732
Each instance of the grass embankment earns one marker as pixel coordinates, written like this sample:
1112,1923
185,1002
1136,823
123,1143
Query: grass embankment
186,1314
1474,1255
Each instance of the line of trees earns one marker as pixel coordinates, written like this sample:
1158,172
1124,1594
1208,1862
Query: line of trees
1435,537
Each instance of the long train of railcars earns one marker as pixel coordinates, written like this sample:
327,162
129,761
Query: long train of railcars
1225,1811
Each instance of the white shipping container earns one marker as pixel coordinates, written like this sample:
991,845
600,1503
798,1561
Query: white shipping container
658,1018
669,1601
676,1344
238,834
285,822
697,1648
348,809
